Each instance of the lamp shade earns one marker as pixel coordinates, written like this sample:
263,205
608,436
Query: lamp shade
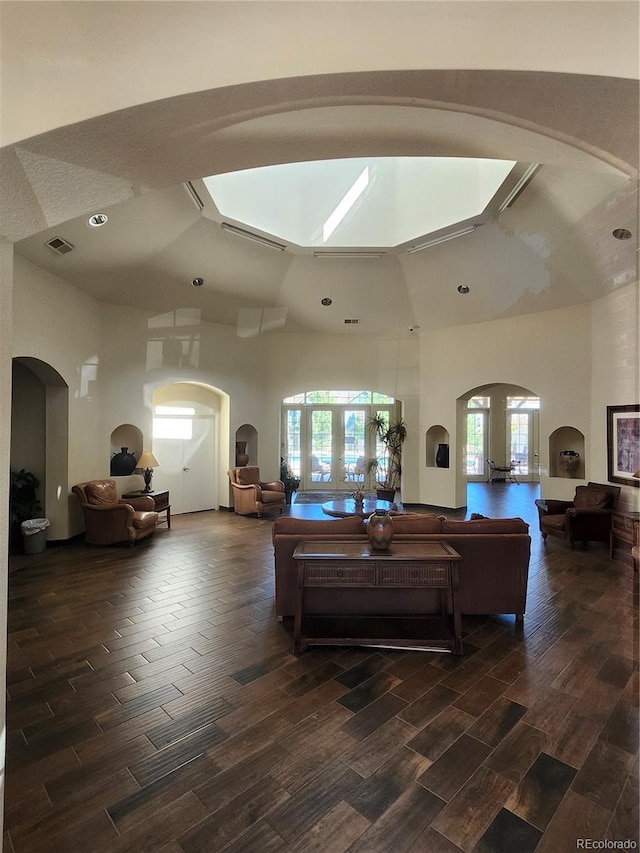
148,460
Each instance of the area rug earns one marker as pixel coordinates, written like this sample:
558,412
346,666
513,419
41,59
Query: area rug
318,497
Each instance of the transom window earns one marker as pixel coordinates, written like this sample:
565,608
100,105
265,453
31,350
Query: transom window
338,398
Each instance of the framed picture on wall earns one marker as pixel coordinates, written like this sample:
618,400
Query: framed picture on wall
623,444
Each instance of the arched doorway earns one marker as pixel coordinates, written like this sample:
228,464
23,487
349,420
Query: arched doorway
501,423
40,435
186,440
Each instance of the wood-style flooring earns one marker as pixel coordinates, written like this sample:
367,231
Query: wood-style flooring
154,704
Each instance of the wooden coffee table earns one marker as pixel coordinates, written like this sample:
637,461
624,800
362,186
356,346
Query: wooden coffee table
341,509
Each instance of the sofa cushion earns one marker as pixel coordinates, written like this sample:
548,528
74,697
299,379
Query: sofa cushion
485,525
101,493
309,526
428,523
249,476
589,498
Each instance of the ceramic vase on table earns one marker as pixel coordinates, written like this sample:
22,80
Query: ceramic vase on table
380,530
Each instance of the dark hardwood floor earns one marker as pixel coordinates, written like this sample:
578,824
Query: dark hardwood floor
154,704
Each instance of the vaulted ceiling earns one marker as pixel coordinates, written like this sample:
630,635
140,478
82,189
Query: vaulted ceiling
553,247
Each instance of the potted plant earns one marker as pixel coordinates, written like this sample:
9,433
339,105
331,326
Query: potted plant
391,434
23,503
291,482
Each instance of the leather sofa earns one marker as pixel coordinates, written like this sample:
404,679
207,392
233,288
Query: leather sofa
109,519
493,573
587,518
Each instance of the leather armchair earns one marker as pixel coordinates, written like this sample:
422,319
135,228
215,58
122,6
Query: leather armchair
587,518
251,495
109,519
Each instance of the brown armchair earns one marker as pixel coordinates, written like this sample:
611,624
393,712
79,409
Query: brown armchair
109,519
587,518
251,495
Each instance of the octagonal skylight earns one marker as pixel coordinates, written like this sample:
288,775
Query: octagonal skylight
365,202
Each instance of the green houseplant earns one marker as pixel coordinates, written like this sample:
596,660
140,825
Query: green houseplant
23,502
391,434
291,482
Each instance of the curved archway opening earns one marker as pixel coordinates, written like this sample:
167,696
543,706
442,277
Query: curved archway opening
190,439
40,436
499,424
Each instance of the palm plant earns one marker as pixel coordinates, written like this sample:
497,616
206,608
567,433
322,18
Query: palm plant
291,482
391,434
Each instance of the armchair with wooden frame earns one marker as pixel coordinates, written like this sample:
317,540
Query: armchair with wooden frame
109,519
252,495
587,518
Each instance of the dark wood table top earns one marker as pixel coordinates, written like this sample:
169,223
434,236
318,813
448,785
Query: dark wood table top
343,508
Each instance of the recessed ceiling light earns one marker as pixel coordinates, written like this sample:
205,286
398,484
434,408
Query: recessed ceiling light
326,301
463,288
97,220
197,282
621,234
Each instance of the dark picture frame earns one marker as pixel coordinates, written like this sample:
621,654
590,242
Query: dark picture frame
623,444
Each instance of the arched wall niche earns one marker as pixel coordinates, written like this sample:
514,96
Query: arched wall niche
40,435
129,437
246,444
566,453
436,438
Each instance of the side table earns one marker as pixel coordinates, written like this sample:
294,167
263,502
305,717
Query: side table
345,567
625,527
161,501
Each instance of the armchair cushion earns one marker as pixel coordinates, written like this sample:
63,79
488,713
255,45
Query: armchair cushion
101,493
248,476
589,498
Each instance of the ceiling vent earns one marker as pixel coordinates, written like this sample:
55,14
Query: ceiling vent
352,322
59,246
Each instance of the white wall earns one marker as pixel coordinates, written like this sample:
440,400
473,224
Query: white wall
615,374
549,353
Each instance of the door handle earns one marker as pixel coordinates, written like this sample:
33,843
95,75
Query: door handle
186,469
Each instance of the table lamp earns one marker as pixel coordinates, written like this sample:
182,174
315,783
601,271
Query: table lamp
147,462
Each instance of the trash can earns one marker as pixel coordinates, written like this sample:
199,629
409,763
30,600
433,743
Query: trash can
34,535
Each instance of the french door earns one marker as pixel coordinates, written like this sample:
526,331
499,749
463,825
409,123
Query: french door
522,441
476,444
326,446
